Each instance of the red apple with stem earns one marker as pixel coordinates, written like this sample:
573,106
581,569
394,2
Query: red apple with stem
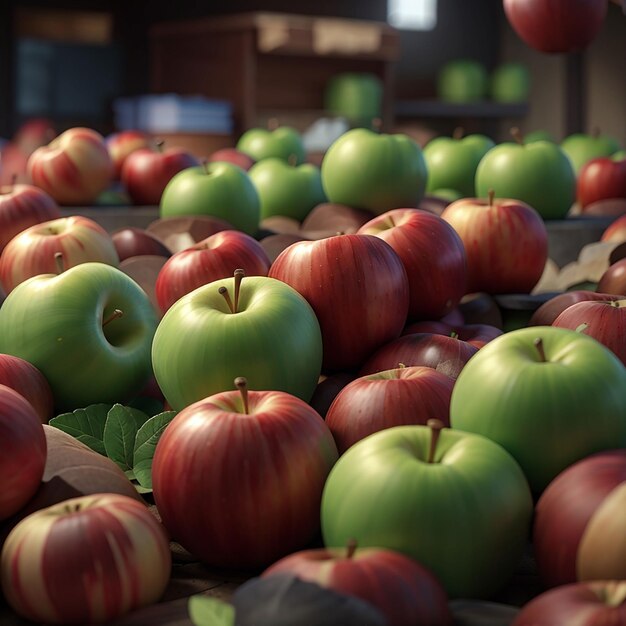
124,143
397,397
130,242
550,310
601,179
404,591
433,256
475,334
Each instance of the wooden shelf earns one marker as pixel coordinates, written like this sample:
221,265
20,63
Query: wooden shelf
438,108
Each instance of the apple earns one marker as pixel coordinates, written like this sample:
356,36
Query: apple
216,257
375,172
22,206
432,254
86,560
613,280
234,156
404,591
130,242
539,135
462,81
582,148
510,82
34,133
573,509
601,179
53,246
357,96
446,194
279,142
123,143
613,207
581,604
358,289
13,165
220,190
550,310
556,26
554,397
273,245
178,233
251,465
615,232
505,241
620,155
286,189
474,334
22,451
74,168
396,397
327,389
258,326
452,161
457,503
88,330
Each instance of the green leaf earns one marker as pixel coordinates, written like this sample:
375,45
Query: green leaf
141,489
120,431
208,611
86,425
145,444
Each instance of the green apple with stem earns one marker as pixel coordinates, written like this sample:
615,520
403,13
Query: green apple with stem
276,141
582,148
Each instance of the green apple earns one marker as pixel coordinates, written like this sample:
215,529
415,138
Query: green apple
282,143
510,82
463,510
451,195
581,148
66,325
292,191
372,171
550,396
268,333
538,173
620,155
539,135
218,189
462,80
452,162
355,96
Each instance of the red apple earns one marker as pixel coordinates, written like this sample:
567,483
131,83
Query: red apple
506,243
146,172
22,206
358,289
86,560
33,134
613,207
22,451
121,144
433,256
13,165
234,156
217,256
74,168
613,280
404,591
475,334
616,231
550,310
36,250
601,179
397,397
131,242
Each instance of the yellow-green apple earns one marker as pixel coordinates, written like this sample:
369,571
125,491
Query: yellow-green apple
475,334
550,310
282,142
613,280
582,148
433,256
234,156
455,502
147,171
601,179
571,534
54,246
133,241
404,591
88,330
251,465
121,144
396,397
74,168
358,289
505,241
86,560
22,451
22,206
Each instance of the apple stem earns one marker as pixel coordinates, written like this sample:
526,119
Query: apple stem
351,547
401,366
71,508
116,313
205,166
224,293
239,274
517,135
458,133
159,144
272,123
538,343
491,194
292,160
581,328
454,334
435,426
58,259
242,384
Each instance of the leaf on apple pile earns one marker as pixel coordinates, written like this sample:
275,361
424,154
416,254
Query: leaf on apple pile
145,445
207,611
86,425
120,431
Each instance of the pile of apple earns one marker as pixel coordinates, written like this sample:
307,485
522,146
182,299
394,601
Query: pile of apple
332,386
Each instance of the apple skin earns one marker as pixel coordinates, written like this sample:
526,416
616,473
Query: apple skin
383,493
253,478
234,156
582,148
433,256
121,144
216,257
220,190
327,389
283,143
375,172
539,174
335,218
476,335
505,241
510,82
32,252
34,133
550,310
462,80
601,179
556,26
88,560
356,96
565,509
22,451
132,241
273,340
84,361
14,162
573,399
397,397
613,280
616,231
596,603
358,289
146,172
74,168
22,206
404,591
